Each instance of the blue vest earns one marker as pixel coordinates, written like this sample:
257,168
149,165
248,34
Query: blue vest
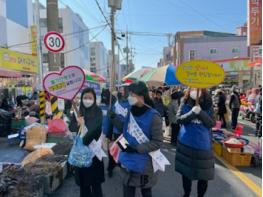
105,120
136,162
125,105
194,134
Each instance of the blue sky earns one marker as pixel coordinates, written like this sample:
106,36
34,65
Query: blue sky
160,16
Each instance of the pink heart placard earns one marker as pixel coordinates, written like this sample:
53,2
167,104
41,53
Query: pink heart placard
65,84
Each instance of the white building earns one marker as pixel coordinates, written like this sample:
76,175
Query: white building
16,19
98,58
76,35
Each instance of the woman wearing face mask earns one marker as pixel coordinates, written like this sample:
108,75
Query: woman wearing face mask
90,179
135,160
194,157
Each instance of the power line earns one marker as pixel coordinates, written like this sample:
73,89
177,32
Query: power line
197,12
64,35
83,45
110,26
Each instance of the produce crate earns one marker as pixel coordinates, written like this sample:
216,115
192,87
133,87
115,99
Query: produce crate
237,159
217,147
51,183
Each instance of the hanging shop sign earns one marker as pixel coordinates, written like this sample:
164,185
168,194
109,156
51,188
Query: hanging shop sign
65,84
13,60
200,74
54,41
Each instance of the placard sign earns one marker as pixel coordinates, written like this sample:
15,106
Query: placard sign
65,84
200,74
54,41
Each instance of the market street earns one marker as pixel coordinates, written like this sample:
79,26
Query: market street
170,184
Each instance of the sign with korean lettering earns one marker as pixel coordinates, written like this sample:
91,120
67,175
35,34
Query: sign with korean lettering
254,22
200,74
65,84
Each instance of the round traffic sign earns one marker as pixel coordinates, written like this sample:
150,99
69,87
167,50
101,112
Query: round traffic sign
54,41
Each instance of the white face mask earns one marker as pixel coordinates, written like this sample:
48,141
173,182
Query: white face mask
193,94
132,100
87,102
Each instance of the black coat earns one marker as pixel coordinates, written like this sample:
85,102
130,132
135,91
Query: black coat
221,104
95,173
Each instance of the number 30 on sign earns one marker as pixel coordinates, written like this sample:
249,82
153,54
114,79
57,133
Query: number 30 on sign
54,41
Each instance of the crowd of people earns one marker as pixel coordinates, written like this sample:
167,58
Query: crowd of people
190,114
190,122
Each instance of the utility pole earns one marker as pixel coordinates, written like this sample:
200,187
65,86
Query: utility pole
174,51
39,46
112,50
54,63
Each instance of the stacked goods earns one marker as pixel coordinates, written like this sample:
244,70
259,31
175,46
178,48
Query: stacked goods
16,182
51,168
36,134
62,148
37,154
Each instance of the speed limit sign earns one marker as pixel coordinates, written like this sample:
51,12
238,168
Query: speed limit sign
54,41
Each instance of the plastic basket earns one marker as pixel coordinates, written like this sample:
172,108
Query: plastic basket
217,147
237,159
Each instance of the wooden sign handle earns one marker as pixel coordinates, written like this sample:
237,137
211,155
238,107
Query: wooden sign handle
75,108
197,97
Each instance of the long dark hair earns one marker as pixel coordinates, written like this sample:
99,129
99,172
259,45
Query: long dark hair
139,88
82,108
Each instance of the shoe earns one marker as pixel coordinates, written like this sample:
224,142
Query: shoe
110,174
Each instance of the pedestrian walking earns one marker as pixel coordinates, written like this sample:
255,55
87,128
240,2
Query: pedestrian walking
172,111
158,103
90,179
194,156
221,106
258,111
137,164
117,118
234,105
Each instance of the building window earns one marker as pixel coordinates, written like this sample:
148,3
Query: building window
43,22
92,52
60,25
213,51
45,58
192,54
93,70
235,50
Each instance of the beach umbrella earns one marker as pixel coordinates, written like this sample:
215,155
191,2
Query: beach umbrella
136,75
164,75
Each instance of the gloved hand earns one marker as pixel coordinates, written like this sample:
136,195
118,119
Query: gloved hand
130,149
196,109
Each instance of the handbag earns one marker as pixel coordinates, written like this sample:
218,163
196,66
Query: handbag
80,155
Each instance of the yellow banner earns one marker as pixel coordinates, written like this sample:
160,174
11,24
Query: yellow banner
34,39
12,60
200,74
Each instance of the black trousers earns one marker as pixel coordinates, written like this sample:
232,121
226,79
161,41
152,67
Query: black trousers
259,125
129,191
112,164
175,132
235,112
222,118
201,187
91,191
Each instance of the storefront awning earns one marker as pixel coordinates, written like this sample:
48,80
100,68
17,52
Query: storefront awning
9,74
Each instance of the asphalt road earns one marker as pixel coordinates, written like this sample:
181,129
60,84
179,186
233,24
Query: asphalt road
169,184
225,184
